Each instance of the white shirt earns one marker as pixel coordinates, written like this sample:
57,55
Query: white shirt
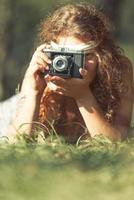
7,114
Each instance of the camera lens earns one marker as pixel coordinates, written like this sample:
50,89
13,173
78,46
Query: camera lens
60,63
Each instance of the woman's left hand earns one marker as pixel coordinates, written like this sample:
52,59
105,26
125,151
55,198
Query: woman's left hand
73,87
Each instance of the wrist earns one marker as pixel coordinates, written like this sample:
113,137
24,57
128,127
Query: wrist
86,95
32,95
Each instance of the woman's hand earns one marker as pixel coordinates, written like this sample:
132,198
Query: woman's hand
34,82
73,87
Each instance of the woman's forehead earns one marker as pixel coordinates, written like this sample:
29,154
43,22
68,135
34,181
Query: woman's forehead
69,40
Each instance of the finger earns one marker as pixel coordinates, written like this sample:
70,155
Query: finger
61,91
58,80
51,86
42,63
42,47
38,62
43,56
47,78
42,68
37,67
83,72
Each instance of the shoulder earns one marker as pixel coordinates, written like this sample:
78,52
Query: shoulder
127,73
124,112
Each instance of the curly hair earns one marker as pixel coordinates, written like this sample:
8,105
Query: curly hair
85,21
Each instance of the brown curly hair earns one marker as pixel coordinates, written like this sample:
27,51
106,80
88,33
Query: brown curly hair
85,21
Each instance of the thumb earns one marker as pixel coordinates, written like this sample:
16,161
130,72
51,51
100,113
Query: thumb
83,72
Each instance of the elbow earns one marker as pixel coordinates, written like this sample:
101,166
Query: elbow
120,135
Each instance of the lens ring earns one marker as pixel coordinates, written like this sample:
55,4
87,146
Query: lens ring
60,63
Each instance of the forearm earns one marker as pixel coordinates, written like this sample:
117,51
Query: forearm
27,113
94,118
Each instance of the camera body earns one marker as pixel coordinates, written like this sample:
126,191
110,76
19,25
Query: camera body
65,62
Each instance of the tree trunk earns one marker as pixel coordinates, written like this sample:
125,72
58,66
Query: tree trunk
6,31
112,8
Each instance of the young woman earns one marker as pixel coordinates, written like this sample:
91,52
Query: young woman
99,103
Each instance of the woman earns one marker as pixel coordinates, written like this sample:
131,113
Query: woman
100,102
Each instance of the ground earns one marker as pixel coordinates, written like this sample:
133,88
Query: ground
54,170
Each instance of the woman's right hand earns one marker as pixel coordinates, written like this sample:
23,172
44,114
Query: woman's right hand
34,82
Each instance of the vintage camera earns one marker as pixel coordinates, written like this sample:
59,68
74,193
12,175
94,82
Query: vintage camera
65,62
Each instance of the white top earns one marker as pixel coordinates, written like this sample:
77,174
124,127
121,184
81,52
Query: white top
7,114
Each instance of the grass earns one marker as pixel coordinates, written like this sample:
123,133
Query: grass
53,170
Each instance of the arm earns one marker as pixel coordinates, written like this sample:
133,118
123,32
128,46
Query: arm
27,112
88,106
93,116
32,89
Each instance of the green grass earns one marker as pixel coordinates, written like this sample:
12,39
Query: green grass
95,169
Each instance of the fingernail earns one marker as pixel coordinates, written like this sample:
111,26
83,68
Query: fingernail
49,61
84,72
46,77
46,68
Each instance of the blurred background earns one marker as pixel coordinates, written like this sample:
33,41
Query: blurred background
18,28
